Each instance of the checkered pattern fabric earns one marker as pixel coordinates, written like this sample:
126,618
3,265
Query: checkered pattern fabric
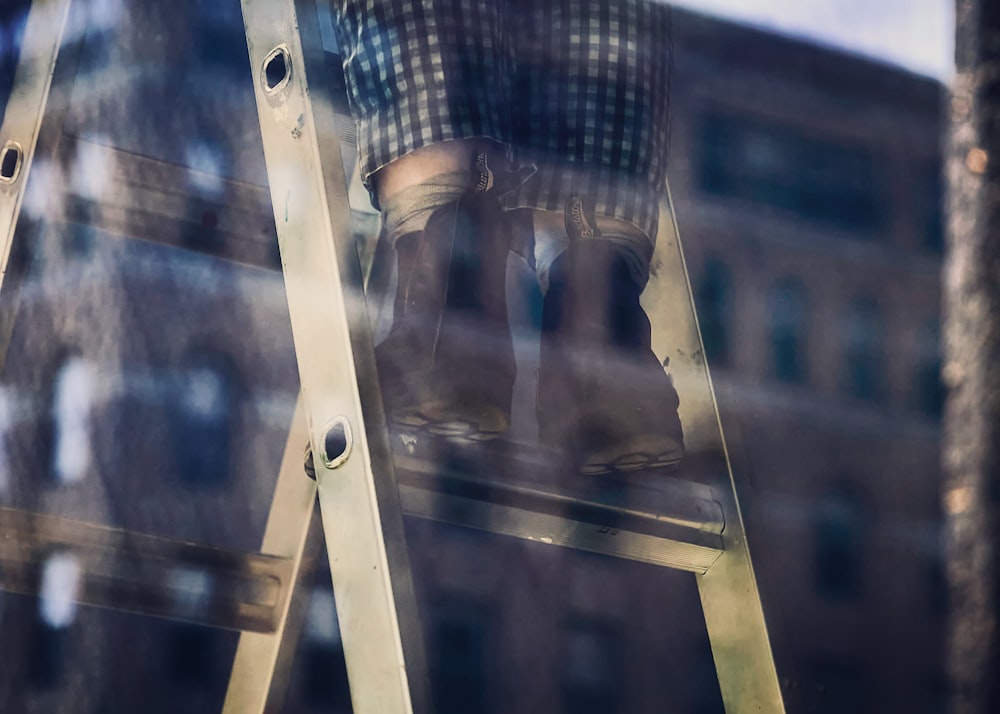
577,87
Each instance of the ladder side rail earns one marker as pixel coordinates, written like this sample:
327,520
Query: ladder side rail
297,618
135,572
32,125
734,614
288,524
22,120
358,494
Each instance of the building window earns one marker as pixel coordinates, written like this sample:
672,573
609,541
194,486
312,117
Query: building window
102,23
72,405
191,589
592,676
841,685
776,165
325,670
7,417
840,532
937,587
219,36
59,590
191,654
204,419
863,337
935,693
207,160
191,650
928,390
13,16
929,205
714,303
459,656
788,314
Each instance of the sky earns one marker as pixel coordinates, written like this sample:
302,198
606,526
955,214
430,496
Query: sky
915,34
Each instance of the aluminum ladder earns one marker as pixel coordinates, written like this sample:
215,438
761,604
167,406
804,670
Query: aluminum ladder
366,483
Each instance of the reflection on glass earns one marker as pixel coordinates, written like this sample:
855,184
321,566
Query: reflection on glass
592,676
930,209
47,656
459,655
6,422
840,544
13,14
842,685
203,421
72,402
928,389
191,589
142,286
863,334
59,590
714,303
190,656
206,163
218,28
788,314
155,254
322,626
778,165
324,677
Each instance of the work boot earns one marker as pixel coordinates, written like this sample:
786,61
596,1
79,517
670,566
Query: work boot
604,399
447,366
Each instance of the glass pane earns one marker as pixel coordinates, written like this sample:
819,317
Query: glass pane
149,378
151,334
540,588
12,19
149,387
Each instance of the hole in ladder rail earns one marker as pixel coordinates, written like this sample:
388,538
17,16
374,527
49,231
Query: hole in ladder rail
10,162
336,443
277,70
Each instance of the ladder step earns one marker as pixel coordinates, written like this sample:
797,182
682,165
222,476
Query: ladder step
145,574
155,201
679,525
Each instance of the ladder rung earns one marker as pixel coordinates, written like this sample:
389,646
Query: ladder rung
156,201
146,574
684,533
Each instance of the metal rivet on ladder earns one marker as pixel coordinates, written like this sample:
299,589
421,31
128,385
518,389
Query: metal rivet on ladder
337,443
10,162
277,70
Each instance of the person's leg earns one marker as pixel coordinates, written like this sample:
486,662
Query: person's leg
422,166
551,240
423,73
604,397
597,125
428,83
593,81
447,366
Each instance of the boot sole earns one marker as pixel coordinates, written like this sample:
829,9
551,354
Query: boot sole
665,462
638,453
443,420
454,401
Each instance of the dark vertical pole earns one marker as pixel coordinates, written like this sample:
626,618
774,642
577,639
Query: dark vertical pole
972,361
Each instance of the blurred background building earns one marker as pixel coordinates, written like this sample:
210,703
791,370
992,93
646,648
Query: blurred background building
808,193
151,380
